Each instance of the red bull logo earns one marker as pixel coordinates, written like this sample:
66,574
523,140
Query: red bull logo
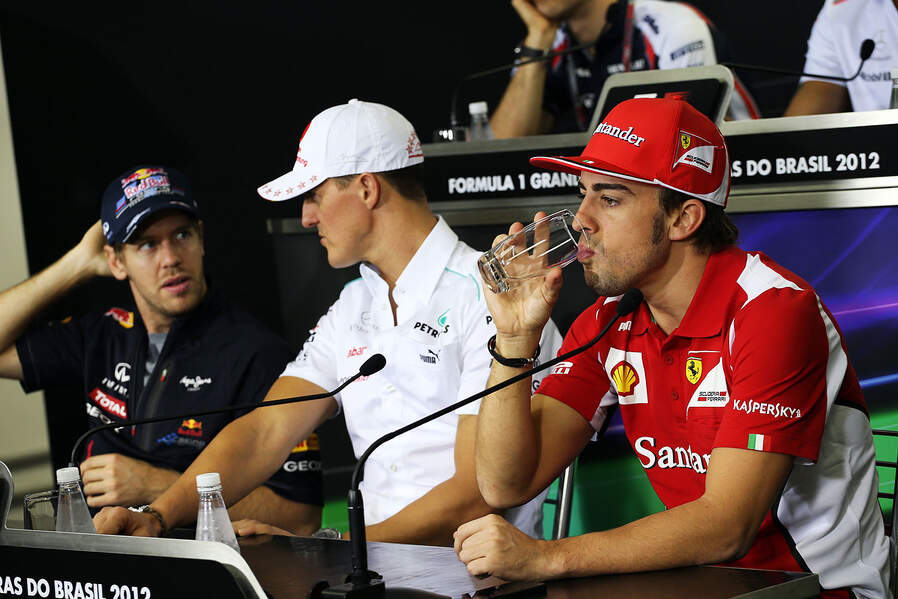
191,428
625,378
142,173
123,317
310,444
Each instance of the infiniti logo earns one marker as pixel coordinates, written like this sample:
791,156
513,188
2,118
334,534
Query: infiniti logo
122,372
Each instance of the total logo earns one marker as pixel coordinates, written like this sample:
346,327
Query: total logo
110,404
193,383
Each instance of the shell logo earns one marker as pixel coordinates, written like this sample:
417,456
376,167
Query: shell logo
625,378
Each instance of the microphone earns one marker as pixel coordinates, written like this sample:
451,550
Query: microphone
867,47
362,582
369,367
453,107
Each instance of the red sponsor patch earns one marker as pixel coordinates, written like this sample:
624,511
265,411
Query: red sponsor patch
108,403
123,317
191,428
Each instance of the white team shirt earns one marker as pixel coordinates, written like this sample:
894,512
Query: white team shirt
834,49
436,355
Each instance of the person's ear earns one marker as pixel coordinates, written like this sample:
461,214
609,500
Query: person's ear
370,190
689,218
116,263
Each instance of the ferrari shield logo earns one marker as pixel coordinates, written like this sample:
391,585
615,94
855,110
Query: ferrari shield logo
693,369
685,140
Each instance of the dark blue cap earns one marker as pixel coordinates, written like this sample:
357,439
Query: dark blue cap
139,193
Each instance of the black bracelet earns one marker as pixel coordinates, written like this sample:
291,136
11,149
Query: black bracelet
522,53
146,509
511,362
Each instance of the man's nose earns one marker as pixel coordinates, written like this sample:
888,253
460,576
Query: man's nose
309,215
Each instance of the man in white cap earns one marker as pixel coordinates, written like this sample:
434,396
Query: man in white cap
731,376
419,302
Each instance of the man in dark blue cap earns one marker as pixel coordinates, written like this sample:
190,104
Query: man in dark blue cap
183,348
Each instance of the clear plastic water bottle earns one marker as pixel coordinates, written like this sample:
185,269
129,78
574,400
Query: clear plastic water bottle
212,521
894,75
72,514
480,122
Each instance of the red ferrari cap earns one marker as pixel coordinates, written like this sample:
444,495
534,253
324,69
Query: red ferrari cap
657,141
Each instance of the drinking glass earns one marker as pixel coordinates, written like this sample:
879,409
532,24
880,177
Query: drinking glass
532,251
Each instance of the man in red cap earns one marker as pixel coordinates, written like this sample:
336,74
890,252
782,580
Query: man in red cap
731,377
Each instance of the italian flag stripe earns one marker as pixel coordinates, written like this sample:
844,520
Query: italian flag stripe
758,442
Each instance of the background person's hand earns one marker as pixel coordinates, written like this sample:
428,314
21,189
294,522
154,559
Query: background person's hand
115,479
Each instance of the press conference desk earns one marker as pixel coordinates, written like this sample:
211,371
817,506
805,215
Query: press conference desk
289,567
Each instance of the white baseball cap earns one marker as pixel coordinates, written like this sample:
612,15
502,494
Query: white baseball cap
357,137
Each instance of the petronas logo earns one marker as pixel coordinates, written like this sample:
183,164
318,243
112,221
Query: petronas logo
442,318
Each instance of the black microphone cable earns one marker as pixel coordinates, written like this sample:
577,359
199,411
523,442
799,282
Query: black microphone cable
369,367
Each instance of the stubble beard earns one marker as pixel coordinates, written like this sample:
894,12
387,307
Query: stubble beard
619,276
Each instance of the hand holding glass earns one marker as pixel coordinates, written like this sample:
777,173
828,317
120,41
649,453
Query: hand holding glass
532,251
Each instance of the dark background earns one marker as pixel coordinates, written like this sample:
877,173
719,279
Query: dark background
222,90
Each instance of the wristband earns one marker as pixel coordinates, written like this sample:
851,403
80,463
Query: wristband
146,509
522,52
511,362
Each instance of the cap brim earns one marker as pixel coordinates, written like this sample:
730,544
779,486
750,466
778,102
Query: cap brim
172,202
290,185
577,164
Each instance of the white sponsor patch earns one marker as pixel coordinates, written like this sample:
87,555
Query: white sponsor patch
712,392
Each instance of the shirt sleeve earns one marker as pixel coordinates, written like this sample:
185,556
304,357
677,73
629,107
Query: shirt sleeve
53,355
581,381
683,40
475,358
823,53
316,361
784,350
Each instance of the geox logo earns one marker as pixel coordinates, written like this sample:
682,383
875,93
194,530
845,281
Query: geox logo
628,135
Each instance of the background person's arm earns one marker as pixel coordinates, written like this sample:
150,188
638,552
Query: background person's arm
520,111
819,97
245,453
19,305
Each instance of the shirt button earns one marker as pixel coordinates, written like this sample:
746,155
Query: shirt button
393,467
675,395
668,360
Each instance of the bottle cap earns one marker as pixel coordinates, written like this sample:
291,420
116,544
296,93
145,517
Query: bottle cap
68,475
477,107
894,73
207,480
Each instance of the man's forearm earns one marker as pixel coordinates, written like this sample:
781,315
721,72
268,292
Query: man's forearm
432,518
20,304
507,448
520,112
265,505
241,471
691,534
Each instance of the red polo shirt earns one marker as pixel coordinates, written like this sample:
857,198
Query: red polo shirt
757,363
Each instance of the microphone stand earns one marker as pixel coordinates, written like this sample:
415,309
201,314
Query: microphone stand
369,367
363,583
867,47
